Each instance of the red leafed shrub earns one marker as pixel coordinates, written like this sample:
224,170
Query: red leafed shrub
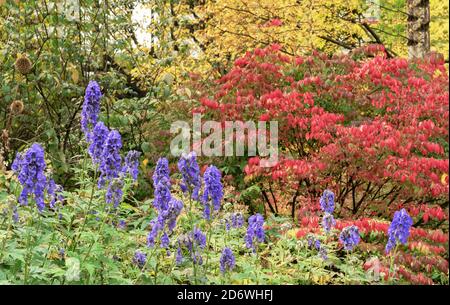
372,129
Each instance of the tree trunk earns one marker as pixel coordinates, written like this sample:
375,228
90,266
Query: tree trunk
418,28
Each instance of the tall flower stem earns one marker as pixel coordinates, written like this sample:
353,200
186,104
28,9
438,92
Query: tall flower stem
392,262
86,212
191,221
105,218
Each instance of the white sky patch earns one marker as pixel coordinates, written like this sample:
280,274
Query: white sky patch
142,16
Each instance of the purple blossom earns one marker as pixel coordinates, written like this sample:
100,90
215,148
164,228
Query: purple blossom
162,185
193,242
30,167
255,231
111,160
179,256
323,253
91,107
327,201
114,192
162,194
399,229
227,260
190,173
132,164
157,225
97,140
165,240
54,192
199,237
328,222
15,215
213,190
139,259
317,244
122,224
237,220
171,213
350,237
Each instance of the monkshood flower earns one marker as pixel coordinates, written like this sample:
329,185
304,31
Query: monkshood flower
162,194
190,172
349,237
255,231
166,219
132,164
199,237
213,190
139,259
29,167
54,192
122,224
91,107
161,184
171,213
15,215
317,244
193,242
114,192
227,260
323,253
327,201
328,222
157,225
235,220
399,229
97,140
179,256
161,170
165,240
111,161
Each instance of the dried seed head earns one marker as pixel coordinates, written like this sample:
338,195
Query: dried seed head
23,65
5,139
16,107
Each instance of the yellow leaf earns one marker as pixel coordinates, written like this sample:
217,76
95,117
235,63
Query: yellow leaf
443,178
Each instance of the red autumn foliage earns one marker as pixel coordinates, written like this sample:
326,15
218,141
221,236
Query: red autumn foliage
372,129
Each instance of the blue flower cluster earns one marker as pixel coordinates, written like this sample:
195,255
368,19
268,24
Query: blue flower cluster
235,220
91,107
97,140
350,237
399,229
111,161
166,220
255,231
162,185
132,164
54,192
193,242
315,243
30,167
227,260
328,222
139,259
190,172
327,202
213,191
104,148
